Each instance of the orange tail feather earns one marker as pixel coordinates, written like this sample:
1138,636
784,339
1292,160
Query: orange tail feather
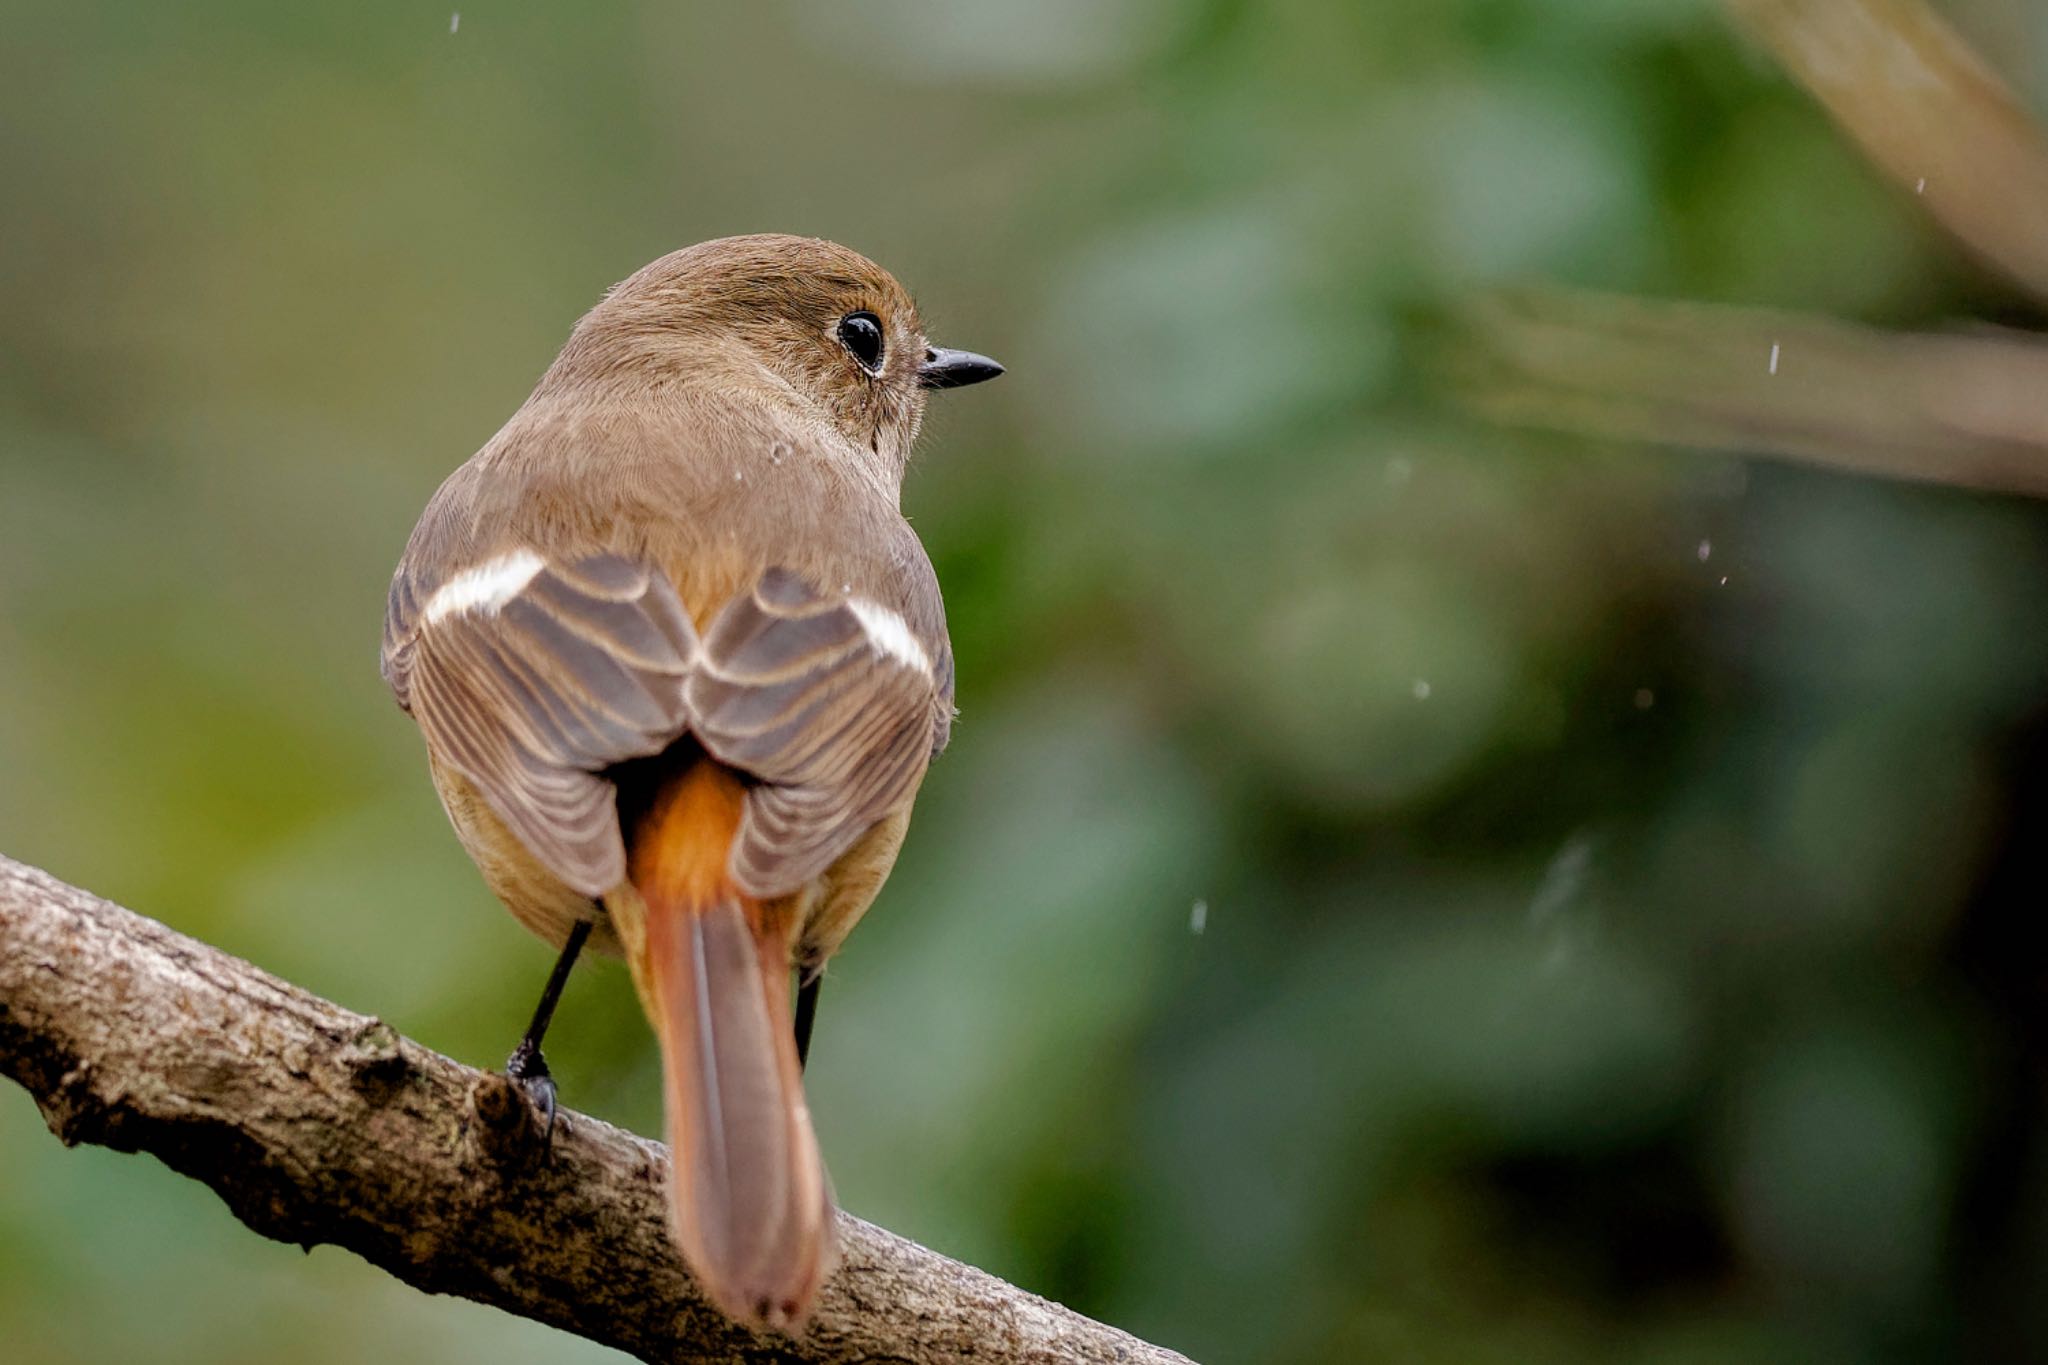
752,1210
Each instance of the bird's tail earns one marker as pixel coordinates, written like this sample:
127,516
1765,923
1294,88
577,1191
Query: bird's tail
751,1209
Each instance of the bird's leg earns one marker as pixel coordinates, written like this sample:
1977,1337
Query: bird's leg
809,980
526,1065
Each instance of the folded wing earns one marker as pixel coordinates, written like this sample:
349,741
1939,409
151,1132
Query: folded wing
533,678
828,701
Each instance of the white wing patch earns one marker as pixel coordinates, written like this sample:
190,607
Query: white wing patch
890,634
483,587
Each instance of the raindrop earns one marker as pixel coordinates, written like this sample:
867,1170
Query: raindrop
1563,880
1558,909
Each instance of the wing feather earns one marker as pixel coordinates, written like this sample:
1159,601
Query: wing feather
836,729
591,663
533,697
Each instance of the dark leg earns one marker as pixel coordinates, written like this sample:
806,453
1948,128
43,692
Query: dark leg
807,1011
526,1064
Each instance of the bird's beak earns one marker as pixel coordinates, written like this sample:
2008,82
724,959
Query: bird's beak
944,369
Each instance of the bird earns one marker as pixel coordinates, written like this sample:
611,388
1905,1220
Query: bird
681,664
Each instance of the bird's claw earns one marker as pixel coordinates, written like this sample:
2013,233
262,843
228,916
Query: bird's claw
529,1070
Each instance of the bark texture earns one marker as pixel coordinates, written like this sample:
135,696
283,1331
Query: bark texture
317,1125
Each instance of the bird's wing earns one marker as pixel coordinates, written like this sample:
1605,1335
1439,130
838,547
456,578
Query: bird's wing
530,678
832,703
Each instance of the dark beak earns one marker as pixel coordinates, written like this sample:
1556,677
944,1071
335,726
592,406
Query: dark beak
944,369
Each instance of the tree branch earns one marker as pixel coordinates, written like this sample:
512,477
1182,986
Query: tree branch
316,1125
1967,409
1928,111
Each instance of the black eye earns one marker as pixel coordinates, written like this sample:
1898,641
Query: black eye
861,333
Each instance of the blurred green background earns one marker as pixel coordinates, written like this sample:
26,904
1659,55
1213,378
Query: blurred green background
1399,889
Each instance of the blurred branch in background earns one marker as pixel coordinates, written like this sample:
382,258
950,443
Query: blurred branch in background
1967,410
1927,110
318,1125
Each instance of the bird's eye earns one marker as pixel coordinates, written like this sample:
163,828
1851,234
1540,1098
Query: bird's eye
861,333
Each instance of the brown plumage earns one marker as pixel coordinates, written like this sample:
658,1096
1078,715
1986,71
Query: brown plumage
680,664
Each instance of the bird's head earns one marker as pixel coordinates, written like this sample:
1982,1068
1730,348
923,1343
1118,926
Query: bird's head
822,323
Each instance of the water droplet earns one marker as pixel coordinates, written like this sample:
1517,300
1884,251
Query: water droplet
1645,699
1774,357
1198,917
1558,911
1563,880
455,21
1706,550
1421,689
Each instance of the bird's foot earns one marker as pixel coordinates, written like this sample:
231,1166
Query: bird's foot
528,1069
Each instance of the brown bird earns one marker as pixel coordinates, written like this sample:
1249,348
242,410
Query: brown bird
680,664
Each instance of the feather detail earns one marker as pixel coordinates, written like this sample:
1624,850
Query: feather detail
751,1208
531,678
